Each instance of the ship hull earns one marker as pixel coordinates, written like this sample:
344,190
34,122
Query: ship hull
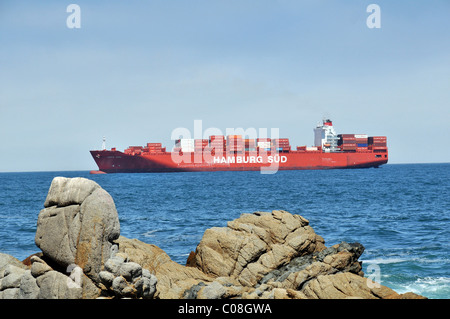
112,161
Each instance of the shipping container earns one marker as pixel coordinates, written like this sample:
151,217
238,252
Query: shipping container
377,139
379,144
264,144
154,144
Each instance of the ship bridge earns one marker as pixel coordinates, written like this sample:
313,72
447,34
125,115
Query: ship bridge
326,137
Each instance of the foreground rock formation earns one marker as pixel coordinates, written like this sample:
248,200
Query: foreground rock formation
262,255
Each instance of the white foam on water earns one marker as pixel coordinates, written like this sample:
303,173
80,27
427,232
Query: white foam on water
431,287
150,233
380,261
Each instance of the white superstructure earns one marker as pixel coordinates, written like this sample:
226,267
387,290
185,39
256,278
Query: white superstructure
326,137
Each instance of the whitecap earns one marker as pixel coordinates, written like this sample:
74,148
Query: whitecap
150,233
431,287
379,261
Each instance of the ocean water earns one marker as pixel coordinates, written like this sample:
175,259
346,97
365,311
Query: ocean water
399,212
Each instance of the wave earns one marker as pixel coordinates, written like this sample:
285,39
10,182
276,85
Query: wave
379,261
150,233
430,287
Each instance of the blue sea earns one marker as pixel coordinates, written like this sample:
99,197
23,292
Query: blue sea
399,212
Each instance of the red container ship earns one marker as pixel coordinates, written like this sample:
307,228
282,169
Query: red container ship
234,153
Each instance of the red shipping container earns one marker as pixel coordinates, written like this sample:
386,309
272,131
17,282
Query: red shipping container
377,139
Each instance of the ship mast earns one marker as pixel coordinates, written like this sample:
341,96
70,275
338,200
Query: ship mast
104,143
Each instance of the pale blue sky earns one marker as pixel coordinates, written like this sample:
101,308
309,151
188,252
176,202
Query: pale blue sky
136,70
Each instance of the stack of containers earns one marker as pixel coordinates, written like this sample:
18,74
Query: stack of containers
361,142
378,143
134,150
153,148
185,145
263,144
281,144
347,142
217,143
250,145
200,145
235,144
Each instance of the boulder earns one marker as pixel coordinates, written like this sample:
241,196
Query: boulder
254,245
78,225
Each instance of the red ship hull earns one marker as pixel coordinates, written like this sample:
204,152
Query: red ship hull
112,161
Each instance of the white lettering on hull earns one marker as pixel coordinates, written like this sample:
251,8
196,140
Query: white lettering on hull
249,159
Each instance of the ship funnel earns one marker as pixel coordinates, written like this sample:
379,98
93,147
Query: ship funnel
327,122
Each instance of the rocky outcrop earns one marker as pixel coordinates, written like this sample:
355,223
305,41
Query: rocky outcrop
254,245
263,255
78,225
127,279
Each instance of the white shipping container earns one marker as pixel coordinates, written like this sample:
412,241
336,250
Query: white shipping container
187,149
361,136
187,141
311,148
264,144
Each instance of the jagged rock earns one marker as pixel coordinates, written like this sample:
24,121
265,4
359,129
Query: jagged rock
348,285
338,258
78,225
255,244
